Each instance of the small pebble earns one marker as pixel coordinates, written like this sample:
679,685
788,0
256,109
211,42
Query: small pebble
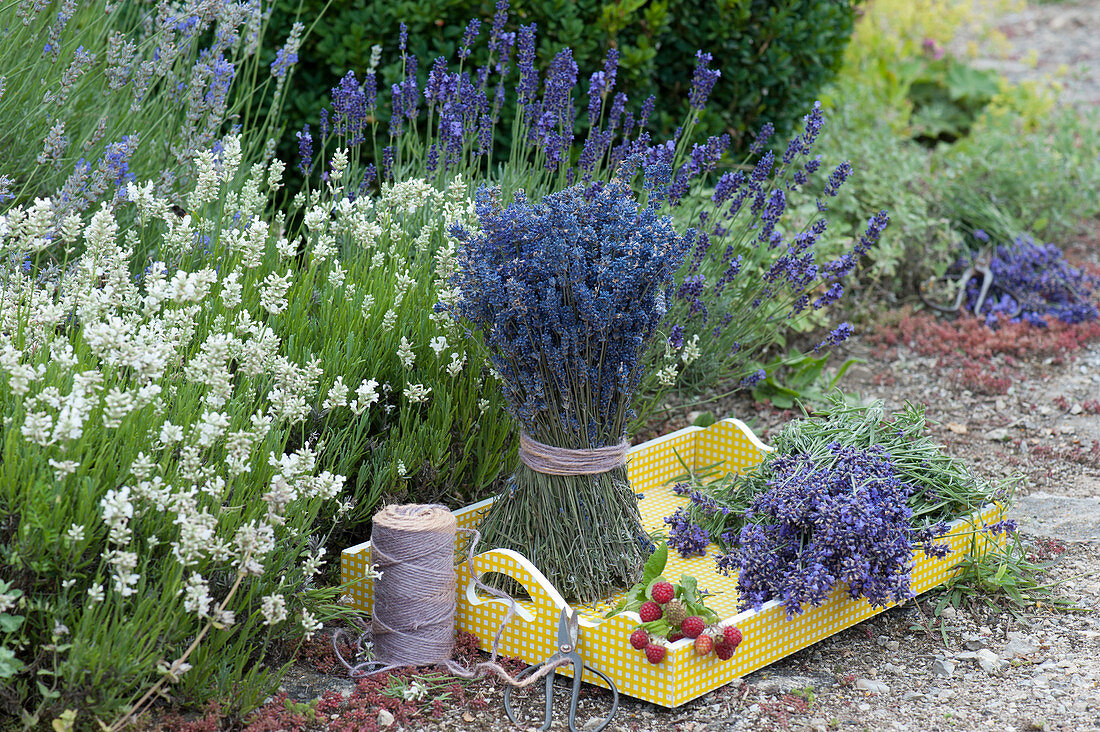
944,667
990,662
871,686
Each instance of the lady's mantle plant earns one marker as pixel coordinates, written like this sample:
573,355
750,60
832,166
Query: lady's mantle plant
568,294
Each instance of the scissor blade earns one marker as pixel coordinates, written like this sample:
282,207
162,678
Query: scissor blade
568,627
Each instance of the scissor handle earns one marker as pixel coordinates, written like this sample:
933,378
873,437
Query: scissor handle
579,670
987,282
549,689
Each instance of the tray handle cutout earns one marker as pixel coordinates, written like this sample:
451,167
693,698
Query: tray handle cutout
519,569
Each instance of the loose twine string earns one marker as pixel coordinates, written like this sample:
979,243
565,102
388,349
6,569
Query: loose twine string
414,599
552,460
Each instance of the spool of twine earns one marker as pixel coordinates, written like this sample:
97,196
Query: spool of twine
413,622
415,599
551,460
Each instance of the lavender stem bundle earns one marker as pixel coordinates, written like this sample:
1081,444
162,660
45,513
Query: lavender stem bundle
568,295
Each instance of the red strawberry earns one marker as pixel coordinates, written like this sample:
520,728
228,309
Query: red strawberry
650,611
675,636
723,650
732,635
692,626
663,592
654,653
703,644
639,639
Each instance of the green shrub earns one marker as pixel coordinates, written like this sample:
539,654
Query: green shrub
774,56
896,173
1007,179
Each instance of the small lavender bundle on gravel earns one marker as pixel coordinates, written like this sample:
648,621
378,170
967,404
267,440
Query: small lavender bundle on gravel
568,295
1046,285
845,497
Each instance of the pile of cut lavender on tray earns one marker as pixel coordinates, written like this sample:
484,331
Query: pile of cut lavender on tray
846,496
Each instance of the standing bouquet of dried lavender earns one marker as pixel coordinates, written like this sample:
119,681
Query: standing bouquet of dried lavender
568,295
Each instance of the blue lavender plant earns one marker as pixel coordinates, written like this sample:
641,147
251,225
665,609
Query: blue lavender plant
751,274
568,294
464,106
103,97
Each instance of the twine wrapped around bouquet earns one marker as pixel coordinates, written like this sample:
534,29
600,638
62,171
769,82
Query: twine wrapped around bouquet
550,460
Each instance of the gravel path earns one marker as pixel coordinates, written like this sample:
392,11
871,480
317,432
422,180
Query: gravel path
1059,40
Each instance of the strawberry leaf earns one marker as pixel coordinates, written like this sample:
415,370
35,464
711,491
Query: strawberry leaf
655,565
656,627
690,588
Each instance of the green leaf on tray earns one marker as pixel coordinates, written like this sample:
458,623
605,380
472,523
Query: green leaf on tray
690,588
655,565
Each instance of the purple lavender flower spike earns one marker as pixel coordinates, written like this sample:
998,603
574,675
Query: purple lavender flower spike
762,138
528,85
468,37
349,105
837,336
837,178
703,81
305,150
500,19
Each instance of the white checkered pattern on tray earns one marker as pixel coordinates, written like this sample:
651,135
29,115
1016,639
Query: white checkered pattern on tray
682,676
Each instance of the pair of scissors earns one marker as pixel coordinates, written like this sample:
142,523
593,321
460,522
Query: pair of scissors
566,654
980,269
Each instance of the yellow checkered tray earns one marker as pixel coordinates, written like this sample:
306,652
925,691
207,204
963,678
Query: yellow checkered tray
683,675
